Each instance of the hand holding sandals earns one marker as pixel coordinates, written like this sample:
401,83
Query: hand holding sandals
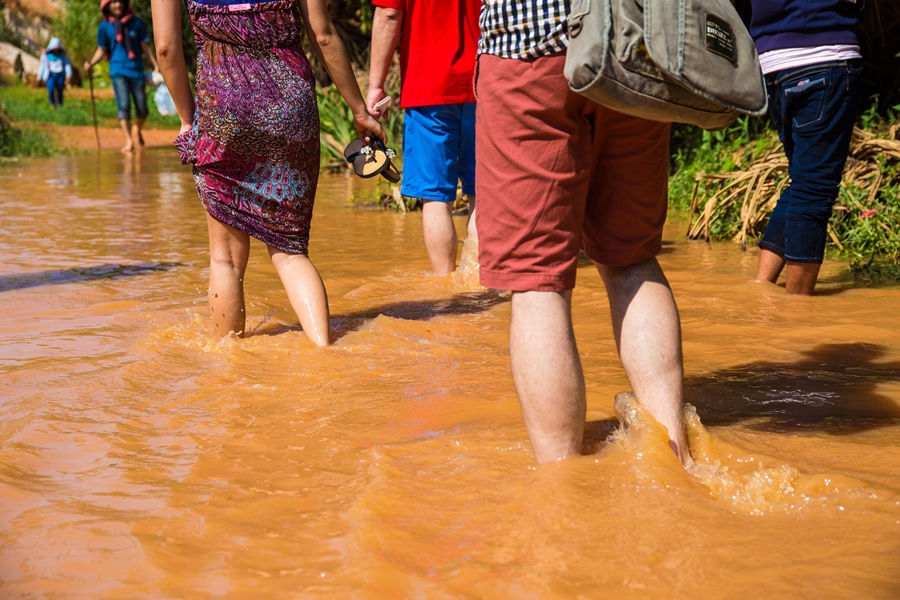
366,126
370,157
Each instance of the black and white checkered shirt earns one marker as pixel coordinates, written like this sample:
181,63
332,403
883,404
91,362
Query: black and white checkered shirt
523,28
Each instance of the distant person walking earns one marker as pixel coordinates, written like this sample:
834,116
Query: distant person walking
56,70
437,63
122,39
254,140
809,54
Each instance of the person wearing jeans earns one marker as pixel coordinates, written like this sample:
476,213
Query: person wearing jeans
56,71
122,38
813,82
128,89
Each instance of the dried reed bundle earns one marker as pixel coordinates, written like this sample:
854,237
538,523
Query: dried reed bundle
758,186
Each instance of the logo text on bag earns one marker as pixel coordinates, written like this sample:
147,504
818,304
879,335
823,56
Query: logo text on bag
720,38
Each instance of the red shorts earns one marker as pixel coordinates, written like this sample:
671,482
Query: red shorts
558,173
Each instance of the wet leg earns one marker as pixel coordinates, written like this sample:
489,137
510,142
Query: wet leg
440,235
770,266
229,251
125,124
547,373
137,139
306,293
801,278
648,335
471,231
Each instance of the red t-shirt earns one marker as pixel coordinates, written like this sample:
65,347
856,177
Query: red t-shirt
437,50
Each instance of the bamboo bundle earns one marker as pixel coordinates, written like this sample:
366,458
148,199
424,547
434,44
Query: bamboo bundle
758,187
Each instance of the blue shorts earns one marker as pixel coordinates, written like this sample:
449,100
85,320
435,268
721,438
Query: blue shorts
438,151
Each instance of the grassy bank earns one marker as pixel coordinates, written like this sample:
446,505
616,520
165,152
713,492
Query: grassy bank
27,104
24,142
26,113
728,182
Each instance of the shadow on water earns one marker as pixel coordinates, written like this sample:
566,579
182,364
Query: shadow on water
596,434
466,303
80,274
831,390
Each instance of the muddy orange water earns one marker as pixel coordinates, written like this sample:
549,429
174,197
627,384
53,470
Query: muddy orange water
139,458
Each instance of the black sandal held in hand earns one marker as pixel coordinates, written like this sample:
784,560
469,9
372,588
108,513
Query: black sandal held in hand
371,159
390,172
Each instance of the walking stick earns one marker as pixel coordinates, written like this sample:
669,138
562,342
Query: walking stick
94,108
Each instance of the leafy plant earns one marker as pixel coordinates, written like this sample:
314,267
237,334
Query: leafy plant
336,125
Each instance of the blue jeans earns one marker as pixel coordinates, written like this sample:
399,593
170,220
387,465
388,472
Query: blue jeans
813,108
56,83
125,89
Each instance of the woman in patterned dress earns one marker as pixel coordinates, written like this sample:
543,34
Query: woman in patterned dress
253,139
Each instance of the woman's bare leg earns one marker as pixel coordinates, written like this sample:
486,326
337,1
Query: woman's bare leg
229,250
306,293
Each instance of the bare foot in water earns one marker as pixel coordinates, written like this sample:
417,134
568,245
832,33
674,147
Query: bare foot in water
127,148
628,407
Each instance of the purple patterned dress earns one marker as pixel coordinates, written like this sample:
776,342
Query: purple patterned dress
255,140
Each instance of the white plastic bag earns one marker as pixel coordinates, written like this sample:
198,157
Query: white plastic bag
164,103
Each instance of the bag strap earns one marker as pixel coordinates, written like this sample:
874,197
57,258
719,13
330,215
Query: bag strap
580,8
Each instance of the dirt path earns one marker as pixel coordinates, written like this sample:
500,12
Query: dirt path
83,138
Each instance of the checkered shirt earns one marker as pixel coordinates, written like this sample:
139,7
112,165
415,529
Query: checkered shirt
523,28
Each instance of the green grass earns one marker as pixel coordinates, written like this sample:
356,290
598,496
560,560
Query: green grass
694,150
23,142
28,104
27,143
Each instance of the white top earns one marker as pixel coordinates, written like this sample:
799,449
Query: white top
791,58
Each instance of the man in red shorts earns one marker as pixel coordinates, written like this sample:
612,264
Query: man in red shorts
556,174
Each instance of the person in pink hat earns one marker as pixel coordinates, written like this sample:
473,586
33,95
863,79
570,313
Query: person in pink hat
122,39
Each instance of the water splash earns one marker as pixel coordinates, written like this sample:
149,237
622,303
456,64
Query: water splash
465,278
195,334
750,483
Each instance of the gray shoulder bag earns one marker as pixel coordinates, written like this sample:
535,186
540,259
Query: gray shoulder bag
684,61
